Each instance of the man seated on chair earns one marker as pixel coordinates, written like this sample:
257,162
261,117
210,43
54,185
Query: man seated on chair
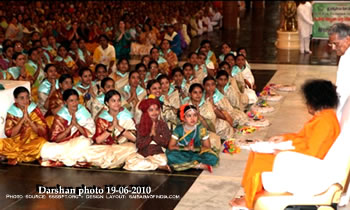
314,139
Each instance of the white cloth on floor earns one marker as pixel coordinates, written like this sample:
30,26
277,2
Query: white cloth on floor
137,162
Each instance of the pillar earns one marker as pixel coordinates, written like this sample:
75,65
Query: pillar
258,4
230,15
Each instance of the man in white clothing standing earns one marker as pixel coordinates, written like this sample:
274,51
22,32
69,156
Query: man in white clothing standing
339,40
304,15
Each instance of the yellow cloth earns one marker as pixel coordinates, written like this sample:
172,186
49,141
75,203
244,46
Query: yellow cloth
104,56
49,121
315,139
35,94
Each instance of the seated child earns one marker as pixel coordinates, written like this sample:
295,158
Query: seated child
189,146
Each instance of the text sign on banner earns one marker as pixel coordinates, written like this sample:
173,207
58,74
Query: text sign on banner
325,14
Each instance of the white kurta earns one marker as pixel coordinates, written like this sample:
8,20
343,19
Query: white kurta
342,83
304,15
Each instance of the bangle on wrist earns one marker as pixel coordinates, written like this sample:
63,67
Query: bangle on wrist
109,131
121,133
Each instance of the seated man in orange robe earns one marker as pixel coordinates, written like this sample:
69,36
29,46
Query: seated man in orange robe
314,139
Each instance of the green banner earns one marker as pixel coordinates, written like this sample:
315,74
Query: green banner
325,14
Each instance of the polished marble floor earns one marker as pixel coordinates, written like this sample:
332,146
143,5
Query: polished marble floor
257,33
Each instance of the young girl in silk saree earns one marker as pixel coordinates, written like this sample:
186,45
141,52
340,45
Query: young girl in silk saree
189,146
206,113
25,128
114,129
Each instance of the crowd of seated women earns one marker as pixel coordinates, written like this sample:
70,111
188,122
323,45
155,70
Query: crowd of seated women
88,107
94,109
132,27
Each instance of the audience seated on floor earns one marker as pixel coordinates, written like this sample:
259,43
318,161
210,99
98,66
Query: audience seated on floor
72,65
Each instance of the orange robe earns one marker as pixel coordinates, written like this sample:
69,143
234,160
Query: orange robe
315,139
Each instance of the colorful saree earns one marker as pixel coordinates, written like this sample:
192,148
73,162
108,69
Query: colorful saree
113,152
71,149
26,145
182,160
206,110
171,58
